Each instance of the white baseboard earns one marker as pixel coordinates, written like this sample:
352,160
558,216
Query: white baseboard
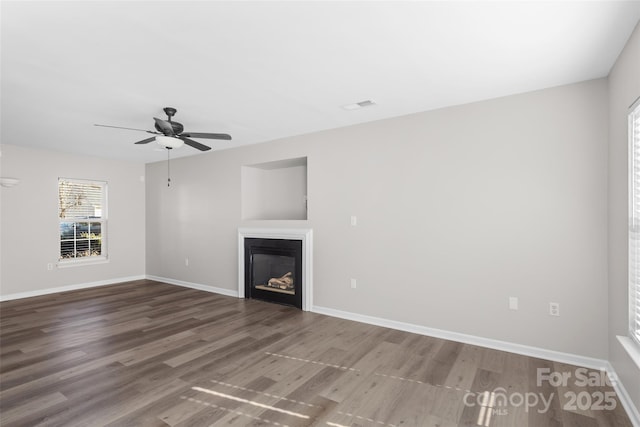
557,356
78,286
200,287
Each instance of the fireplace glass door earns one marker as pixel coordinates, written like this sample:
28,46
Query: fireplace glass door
273,270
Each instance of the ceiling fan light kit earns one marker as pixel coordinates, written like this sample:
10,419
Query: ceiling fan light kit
169,142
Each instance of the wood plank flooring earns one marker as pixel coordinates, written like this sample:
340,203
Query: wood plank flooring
145,353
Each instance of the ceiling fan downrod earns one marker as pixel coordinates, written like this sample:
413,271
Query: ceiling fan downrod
170,112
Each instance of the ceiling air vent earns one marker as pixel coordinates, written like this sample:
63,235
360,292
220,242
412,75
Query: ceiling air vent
358,105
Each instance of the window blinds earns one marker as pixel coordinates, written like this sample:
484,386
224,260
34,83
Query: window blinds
634,223
80,199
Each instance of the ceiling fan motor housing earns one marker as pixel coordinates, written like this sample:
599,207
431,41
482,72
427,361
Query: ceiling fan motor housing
177,128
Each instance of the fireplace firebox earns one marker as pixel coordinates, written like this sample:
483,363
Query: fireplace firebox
273,270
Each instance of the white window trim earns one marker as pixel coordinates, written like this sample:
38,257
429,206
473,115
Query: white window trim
632,348
632,344
91,260
77,262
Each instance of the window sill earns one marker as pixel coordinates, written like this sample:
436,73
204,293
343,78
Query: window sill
82,262
632,349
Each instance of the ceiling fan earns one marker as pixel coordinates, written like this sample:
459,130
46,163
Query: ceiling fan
171,134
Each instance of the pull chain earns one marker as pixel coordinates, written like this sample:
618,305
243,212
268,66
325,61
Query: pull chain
168,167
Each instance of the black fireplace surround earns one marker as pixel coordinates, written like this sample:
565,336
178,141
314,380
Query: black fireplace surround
273,270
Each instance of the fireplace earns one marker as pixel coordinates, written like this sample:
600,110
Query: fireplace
275,266
273,270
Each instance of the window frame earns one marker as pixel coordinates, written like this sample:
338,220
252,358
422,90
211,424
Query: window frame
102,220
634,223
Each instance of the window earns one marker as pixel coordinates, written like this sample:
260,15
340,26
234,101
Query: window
634,222
83,219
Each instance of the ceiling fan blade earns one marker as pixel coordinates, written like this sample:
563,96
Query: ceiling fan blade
146,141
120,127
207,135
164,126
194,144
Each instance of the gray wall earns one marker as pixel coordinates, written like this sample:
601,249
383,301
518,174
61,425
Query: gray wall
29,220
624,88
458,209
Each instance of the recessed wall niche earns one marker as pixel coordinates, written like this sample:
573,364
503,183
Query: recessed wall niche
275,190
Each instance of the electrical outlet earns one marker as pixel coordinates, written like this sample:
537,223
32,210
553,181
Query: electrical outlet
50,266
554,309
353,283
513,303
354,220
186,262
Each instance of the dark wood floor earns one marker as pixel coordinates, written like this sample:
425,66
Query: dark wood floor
150,354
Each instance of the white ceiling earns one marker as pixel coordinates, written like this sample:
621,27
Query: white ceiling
266,70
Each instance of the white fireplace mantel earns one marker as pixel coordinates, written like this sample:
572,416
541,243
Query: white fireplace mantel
304,234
